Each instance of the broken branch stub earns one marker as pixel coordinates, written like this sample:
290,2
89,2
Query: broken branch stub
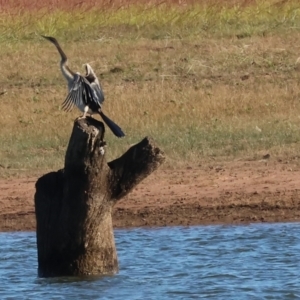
133,166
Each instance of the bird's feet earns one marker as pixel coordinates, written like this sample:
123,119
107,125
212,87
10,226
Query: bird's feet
86,109
83,116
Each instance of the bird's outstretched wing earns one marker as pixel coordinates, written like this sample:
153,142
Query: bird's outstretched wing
98,90
81,94
94,82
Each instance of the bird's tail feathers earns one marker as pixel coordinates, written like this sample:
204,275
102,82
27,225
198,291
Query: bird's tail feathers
117,131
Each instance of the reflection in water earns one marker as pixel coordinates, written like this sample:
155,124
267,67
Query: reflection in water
212,262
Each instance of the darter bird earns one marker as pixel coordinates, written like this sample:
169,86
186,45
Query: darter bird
84,91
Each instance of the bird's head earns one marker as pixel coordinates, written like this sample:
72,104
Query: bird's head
50,38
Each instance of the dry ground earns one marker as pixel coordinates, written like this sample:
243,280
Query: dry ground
203,82
265,190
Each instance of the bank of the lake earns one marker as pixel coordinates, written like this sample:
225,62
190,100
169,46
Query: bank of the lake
242,191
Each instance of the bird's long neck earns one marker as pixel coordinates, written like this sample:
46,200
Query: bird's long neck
68,74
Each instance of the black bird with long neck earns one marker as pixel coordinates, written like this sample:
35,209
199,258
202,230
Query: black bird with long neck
84,91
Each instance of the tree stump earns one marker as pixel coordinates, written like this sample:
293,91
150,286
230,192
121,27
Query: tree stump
73,206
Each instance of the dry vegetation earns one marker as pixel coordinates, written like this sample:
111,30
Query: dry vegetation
205,80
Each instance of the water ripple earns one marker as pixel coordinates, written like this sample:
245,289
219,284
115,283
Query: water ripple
258,261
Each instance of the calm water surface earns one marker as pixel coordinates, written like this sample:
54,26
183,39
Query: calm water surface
259,261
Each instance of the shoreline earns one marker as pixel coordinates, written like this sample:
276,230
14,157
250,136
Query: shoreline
239,192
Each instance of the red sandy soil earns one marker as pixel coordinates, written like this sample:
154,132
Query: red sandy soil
217,193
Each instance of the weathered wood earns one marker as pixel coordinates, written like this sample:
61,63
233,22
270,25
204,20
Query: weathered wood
74,205
133,166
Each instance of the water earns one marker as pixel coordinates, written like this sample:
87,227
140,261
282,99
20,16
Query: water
259,261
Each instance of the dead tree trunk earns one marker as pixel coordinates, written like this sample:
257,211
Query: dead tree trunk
73,206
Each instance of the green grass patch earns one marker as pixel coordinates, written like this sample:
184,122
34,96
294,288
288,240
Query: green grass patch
192,144
152,21
205,81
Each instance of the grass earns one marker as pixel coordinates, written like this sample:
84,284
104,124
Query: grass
21,20
207,81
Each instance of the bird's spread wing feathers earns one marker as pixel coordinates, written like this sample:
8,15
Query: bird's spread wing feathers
94,82
98,90
81,94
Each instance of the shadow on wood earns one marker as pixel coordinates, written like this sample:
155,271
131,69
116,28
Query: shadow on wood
73,206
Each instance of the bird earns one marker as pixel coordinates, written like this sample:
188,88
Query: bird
85,92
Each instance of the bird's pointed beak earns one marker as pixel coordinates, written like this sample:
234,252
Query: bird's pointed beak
49,38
